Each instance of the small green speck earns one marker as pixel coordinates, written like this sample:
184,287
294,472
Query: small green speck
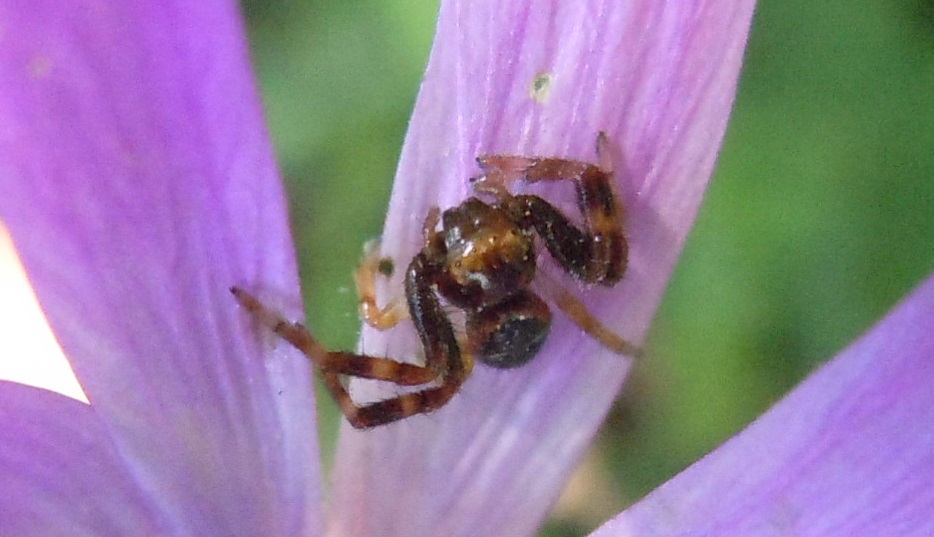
386,267
541,87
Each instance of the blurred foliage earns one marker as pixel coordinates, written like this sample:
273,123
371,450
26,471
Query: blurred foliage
819,219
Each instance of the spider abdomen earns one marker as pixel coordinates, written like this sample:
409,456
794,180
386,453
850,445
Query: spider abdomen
510,333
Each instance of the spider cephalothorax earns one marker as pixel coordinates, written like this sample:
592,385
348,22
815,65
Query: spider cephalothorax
479,257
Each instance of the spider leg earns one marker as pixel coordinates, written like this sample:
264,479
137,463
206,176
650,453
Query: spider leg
596,254
371,265
572,306
365,280
501,170
344,363
400,407
442,353
443,356
430,223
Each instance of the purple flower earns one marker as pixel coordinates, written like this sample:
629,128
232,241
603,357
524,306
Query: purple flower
138,185
849,452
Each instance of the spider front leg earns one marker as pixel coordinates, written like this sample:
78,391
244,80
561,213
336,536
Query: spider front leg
596,254
333,364
365,280
372,265
344,363
442,354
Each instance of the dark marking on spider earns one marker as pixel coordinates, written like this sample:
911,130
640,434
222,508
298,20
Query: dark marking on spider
482,261
386,267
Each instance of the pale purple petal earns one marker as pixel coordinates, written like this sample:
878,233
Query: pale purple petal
61,473
849,452
659,78
138,186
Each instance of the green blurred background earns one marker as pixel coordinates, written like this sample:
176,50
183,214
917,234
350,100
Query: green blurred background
820,216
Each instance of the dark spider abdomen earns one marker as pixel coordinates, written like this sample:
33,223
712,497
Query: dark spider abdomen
510,333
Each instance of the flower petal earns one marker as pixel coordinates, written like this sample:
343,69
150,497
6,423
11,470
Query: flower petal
138,187
848,452
541,78
61,474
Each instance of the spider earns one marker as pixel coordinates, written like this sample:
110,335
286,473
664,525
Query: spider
482,261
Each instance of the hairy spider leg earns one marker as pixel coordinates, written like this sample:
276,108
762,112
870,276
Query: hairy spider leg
383,412
443,355
345,363
572,306
598,254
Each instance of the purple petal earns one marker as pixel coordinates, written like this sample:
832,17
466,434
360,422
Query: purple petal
61,474
139,186
659,78
849,452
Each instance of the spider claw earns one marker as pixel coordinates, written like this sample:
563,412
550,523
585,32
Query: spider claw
256,308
